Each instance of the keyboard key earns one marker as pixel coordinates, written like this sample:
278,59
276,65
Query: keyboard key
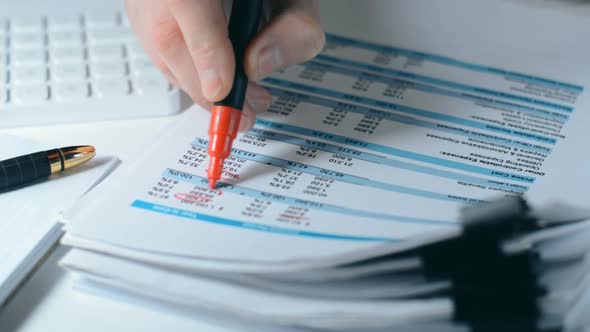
105,52
27,24
3,94
101,20
3,59
109,35
67,54
71,91
105,88
63,22
30,94
27,40
107,69
149,84
125,20
135,51
133,43
26,57
66,37
28,75
68,71
143,67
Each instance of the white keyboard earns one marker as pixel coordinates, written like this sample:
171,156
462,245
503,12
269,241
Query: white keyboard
77,67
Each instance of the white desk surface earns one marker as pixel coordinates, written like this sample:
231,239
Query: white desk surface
46,302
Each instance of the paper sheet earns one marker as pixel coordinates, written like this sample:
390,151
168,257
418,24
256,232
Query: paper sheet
367,144
28,225
250,303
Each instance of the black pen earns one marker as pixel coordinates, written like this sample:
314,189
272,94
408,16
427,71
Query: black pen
25,169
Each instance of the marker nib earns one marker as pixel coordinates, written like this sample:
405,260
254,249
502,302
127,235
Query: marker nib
214,171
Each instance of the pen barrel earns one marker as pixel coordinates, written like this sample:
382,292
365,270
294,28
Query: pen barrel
243,24
24,169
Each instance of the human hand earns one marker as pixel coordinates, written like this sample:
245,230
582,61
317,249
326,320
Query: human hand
188,41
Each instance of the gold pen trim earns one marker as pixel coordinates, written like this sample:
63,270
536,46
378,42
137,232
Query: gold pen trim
68,157
74,156
55,161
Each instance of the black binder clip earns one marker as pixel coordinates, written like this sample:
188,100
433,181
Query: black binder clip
492,290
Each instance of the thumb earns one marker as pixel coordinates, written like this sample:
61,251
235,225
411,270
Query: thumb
292,37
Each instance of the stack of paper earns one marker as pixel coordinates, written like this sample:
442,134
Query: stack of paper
366,156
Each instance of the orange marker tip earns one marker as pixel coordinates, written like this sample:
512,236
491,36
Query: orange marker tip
212,183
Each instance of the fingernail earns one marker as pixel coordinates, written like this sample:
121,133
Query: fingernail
211,83
269,61
259,104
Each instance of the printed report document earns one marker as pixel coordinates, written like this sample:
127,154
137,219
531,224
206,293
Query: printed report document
364,145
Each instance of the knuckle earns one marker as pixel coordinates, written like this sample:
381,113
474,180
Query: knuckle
177,4
204,48
166,34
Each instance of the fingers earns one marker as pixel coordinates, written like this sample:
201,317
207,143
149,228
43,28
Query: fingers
258,97
138,19
161,37
169,41
257,101
204,28
294,36
248,118
187,40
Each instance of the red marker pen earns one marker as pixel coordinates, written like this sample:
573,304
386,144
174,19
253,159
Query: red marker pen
226,114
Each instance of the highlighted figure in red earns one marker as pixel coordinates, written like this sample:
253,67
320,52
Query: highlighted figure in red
226,114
